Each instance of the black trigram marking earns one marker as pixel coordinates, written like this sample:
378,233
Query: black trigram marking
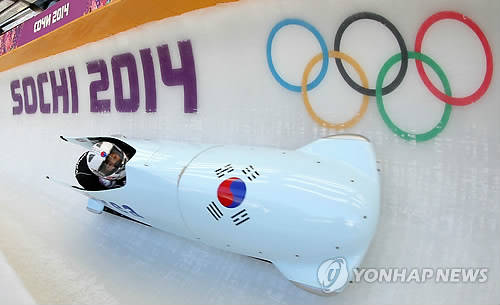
240,217
214,210
220,172
250,172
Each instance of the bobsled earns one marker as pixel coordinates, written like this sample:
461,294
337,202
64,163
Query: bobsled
294,208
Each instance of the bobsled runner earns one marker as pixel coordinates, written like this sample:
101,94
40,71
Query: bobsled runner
294,208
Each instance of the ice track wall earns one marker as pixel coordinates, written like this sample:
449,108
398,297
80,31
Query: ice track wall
251,72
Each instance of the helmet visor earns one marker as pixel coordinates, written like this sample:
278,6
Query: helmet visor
113,162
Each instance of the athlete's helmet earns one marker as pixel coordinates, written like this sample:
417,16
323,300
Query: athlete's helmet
107,160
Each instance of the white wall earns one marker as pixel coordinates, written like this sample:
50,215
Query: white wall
439,197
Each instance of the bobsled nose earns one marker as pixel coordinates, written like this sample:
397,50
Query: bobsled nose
343,233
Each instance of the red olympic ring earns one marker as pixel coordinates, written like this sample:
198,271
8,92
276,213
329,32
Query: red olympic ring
457,101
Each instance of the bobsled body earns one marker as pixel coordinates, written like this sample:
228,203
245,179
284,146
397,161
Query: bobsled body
295,208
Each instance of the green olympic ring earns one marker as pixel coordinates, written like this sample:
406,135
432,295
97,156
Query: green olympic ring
380,103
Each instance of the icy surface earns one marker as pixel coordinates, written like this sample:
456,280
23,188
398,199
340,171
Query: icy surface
440,199
13,291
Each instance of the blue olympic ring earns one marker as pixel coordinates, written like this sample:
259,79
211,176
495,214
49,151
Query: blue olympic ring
324,50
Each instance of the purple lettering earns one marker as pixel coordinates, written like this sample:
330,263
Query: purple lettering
116,206
40,80
59,91
185,75
97,105
131,211
29,82
127,61
149,79
74,89
16,97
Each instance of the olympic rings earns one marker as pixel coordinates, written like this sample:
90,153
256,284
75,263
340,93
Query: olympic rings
404,62
378,92
458,101
380,104
364,80
322,43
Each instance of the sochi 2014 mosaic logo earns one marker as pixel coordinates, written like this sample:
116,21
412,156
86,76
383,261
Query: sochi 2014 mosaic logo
380,91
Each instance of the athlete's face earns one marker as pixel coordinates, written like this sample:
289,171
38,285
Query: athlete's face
112,161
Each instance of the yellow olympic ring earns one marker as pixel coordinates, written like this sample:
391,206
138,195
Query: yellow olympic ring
364,80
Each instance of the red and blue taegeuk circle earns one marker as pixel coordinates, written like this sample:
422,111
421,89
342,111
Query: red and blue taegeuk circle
231,192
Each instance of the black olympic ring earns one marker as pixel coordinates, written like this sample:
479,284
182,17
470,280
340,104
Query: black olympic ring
404,53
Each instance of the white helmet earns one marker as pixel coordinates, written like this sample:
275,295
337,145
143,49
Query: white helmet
106,160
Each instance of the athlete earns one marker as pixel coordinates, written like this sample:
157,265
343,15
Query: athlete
102,167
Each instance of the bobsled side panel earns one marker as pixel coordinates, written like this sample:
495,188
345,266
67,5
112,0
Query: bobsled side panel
284,206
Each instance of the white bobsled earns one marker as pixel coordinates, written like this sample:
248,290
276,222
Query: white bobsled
294,208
